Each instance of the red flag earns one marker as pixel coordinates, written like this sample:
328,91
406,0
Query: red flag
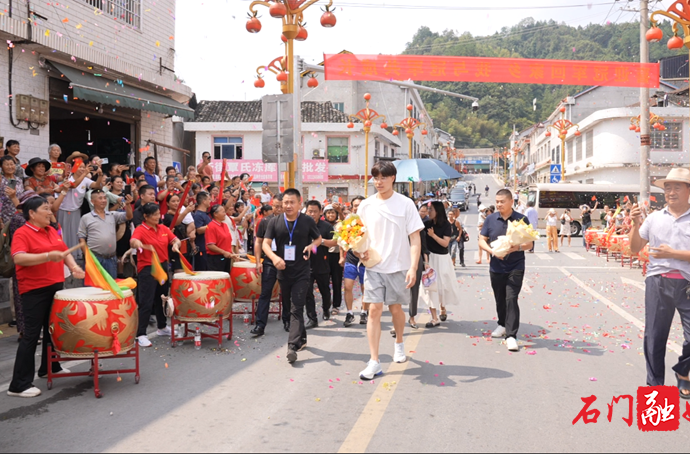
222,183
652,198
179,207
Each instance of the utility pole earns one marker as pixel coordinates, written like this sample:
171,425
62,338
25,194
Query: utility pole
645,139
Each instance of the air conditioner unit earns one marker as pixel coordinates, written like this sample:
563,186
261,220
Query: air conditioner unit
318,153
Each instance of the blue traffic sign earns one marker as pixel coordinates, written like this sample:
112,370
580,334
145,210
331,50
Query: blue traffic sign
457,162
555,169
555,178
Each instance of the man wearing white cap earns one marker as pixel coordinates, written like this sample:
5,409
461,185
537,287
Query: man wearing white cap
667,232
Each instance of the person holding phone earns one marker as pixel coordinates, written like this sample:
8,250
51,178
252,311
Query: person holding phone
12,149
11,189
204,168
668,276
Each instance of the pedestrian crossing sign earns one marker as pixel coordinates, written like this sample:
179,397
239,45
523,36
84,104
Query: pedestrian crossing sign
555,169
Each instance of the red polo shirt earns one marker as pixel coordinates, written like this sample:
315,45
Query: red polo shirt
219,234
32,240
159,237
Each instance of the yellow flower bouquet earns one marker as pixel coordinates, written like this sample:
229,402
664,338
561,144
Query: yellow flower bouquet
351,234
518,233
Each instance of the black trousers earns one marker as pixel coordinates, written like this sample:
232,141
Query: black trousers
663,296
200,262
149,299
218,263
295,295
336,279
414,293
268,281
322,282
506,287
37,305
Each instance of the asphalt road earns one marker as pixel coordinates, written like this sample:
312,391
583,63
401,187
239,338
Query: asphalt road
460,390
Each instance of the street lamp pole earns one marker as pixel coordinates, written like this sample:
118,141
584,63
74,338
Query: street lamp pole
367,117
291,13
562,126
409,124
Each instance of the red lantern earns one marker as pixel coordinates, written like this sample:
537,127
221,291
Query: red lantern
408,131
384,125
578,133
301,34
562,109
277,10
367,96
367,124
409,107
676,42
632,127
259,83
424,132
654,34
637,129
396,132
662,128
283,38
350,125
328,19
548,134
253,25
312,82
282,76
563,132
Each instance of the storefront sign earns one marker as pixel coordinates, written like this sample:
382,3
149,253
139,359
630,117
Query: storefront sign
313,171
480,69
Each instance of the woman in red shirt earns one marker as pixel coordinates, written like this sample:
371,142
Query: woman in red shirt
151,235
39,256
219,242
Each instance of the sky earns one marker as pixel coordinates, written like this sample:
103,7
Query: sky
218,58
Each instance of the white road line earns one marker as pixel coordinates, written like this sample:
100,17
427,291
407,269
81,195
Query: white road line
543,256
637,284
616,308
526,288
574,256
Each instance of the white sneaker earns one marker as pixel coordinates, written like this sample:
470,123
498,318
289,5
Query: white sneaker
373,370
144,341
164,332
512,344
399,355
499,332
63,371
31,392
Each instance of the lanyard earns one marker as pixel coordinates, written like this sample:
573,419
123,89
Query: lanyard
290,232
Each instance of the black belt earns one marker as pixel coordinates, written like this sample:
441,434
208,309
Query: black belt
104,256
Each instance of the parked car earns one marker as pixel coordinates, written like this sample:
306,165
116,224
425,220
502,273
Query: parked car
458,199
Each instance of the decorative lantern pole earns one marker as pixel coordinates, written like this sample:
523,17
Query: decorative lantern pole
367,117
562,126
291,14
409,124
655,122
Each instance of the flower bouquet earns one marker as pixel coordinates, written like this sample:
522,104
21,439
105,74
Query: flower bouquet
518,233
351,233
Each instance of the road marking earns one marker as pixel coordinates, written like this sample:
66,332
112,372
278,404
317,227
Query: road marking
617,309
526,288
365,427
574,256
543,256
637,284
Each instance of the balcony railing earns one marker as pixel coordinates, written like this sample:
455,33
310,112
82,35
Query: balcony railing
127,11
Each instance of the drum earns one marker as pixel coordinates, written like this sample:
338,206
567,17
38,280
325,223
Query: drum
86,319
206,296
616,243
590,235
644,254
625,246
247,282
601,239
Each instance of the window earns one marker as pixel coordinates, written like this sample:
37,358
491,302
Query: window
127,11
338,150
569,151
578,148
589,144
377,148
227,148
671,139
339,106
385,151
556,155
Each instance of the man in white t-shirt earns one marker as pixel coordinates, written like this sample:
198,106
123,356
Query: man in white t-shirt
266,195
393,225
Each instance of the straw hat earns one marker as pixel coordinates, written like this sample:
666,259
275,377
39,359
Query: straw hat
75,155
552,211
676,175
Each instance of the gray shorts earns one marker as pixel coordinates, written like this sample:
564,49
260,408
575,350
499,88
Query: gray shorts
385,288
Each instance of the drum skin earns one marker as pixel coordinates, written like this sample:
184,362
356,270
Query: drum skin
247,282
86,319
206,296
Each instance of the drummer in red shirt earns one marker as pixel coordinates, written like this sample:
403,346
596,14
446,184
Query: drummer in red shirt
39,256
219,242
151,234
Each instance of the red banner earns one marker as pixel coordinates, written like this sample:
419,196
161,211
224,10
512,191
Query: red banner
480,69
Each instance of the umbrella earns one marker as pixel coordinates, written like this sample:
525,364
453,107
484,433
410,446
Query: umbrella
416,170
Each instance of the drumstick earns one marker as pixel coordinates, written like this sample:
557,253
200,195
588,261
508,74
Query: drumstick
73,248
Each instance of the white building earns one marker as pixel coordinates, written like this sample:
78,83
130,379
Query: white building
95,76
233,130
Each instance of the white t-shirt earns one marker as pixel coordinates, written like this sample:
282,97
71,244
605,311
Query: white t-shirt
265,198
75,196
389,223
552,221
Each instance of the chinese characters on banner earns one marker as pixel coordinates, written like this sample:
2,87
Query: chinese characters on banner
480,69
658,409
313,171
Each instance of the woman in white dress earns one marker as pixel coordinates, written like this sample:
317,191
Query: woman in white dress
566,221
444,290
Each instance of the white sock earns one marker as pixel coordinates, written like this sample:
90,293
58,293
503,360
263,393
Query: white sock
350,312
364,312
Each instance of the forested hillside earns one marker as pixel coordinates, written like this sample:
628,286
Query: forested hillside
505,105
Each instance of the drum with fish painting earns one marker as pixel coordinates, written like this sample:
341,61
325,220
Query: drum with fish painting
86,319
205,296
247,282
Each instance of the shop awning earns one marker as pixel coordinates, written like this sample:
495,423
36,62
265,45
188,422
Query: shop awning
90,87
